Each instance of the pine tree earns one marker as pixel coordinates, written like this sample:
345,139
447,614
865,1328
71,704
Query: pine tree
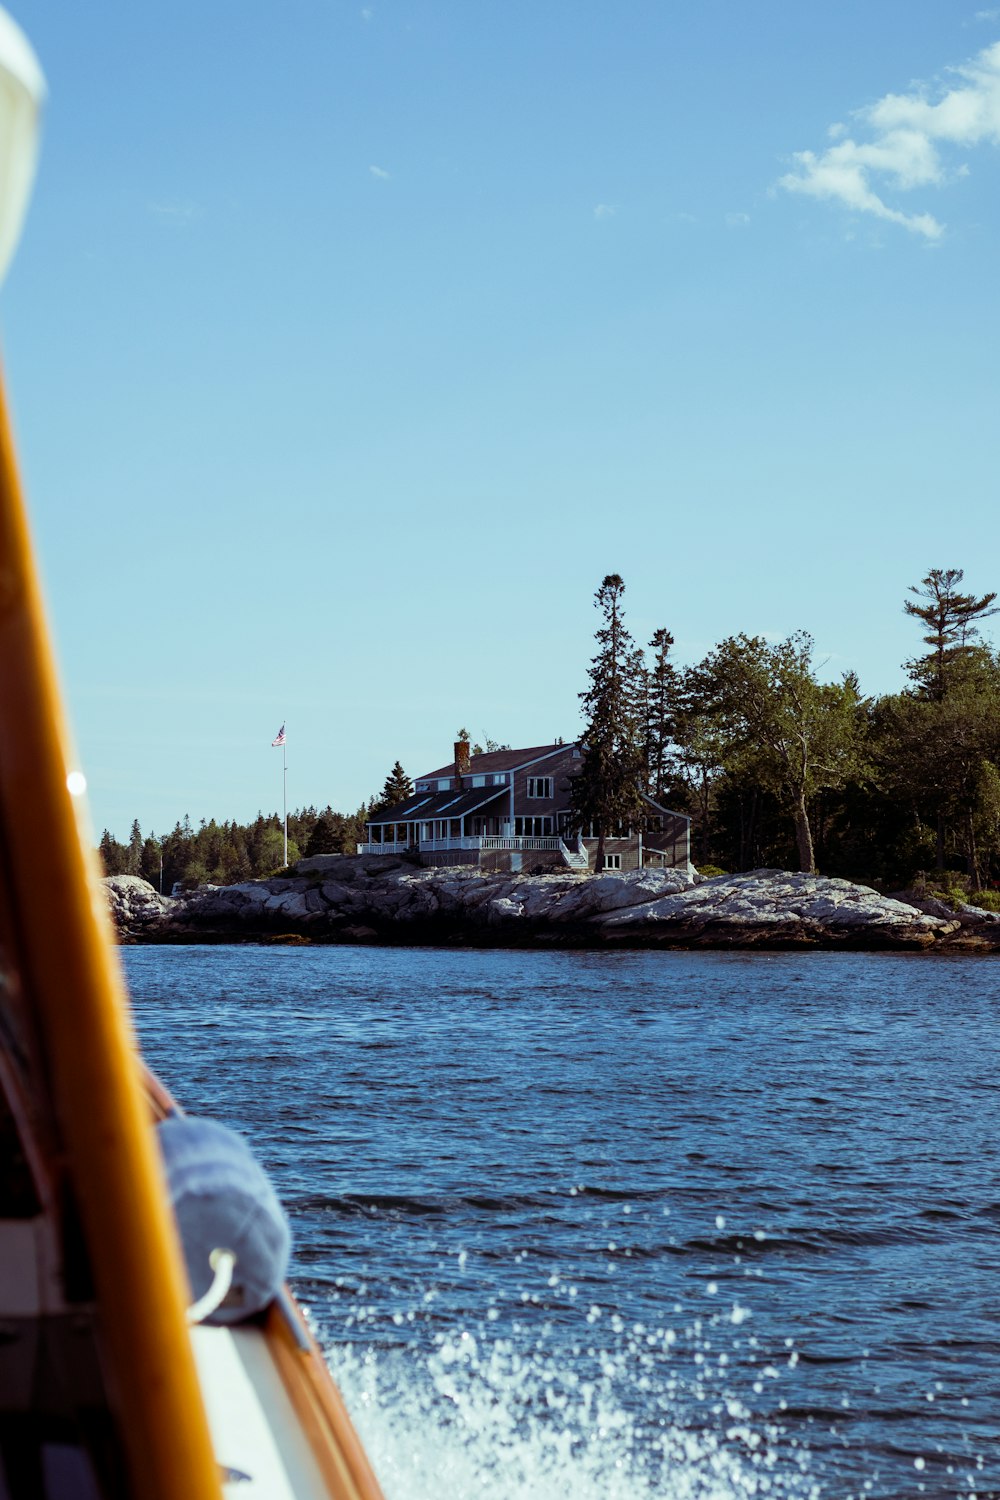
606,790
324,837
151,862
661,707
134,860
398,786
950,617
114,856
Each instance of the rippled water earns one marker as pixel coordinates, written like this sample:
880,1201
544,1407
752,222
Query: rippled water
651,1224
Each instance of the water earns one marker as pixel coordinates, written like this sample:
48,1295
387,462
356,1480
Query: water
630,1224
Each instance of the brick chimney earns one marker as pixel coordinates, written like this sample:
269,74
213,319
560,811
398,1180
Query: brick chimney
462,760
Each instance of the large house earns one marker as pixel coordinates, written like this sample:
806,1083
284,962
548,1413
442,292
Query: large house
509,810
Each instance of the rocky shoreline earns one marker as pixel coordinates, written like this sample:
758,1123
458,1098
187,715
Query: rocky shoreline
342,899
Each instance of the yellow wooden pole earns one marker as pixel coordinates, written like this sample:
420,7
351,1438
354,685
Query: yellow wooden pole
72,980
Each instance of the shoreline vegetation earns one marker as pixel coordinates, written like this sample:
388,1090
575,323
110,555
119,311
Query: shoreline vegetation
387,901
776,768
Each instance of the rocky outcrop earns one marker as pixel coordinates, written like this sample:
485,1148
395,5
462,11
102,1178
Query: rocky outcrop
978,929
366,899
136,908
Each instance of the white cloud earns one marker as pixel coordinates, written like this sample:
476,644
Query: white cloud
379,172
174,210
367,13
899,145
988,15
604,211
737,221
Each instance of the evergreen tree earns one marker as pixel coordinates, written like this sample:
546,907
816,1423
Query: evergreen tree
661,707
114,856
606,790
134,863
151,861
325,835
699,731
951,618
398,785
940,759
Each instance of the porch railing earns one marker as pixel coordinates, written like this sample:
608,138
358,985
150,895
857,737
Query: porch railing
473,842
516,841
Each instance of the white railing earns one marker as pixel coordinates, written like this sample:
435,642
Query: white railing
435,845
516,841
474,842
576,859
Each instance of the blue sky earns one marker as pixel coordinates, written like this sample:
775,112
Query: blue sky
350,346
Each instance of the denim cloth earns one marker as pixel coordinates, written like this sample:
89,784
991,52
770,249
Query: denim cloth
223,1199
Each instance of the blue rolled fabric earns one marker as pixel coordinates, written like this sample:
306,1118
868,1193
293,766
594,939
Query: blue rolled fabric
223,1200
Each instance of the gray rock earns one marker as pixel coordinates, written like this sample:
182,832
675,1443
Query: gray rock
134,903
339,897
763,904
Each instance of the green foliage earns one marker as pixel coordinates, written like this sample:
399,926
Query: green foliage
951,618
488,747
985,900
662,702
606,790
113,856
134,865
773,765
398,786
325,835
229,853
781,727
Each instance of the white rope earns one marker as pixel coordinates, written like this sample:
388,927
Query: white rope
222,1263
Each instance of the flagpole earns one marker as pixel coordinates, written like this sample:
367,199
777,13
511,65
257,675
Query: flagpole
279,739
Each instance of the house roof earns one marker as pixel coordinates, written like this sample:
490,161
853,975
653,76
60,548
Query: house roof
498,760
662,807
440,804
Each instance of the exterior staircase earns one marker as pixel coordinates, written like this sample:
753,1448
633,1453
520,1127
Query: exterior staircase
576,859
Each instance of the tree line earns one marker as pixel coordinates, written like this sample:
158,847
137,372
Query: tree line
774,766
778,768
228,853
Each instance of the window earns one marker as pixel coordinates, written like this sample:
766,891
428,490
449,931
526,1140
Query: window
539,786
500,778
444,786
479,781
612,861
533,828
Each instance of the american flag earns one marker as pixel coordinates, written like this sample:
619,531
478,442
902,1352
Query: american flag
279,738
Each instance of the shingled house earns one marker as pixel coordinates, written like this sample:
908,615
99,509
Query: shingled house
509,809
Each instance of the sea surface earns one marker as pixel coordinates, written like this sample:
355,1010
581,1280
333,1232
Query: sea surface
628,1224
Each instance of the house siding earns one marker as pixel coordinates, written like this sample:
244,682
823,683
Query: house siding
666,845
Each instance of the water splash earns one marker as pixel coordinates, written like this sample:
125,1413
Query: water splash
478,1414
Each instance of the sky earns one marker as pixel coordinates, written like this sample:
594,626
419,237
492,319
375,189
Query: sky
350,346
